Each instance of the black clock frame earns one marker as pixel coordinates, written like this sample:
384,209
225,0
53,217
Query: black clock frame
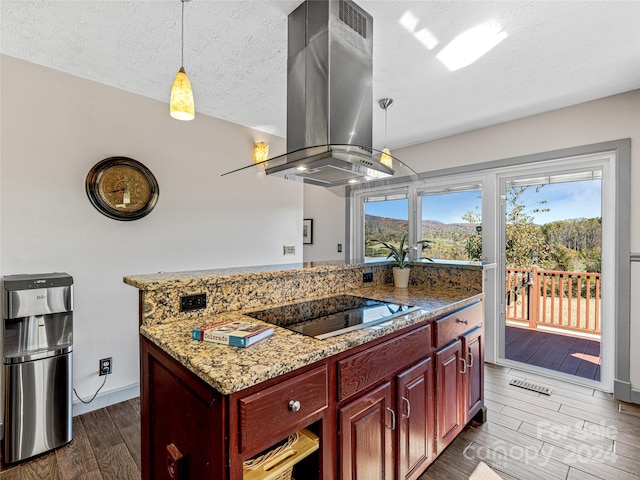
91,186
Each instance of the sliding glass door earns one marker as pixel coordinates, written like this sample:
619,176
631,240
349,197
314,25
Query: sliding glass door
551,250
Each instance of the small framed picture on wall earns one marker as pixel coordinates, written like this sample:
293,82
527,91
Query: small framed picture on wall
307,231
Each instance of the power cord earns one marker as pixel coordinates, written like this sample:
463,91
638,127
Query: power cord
105,370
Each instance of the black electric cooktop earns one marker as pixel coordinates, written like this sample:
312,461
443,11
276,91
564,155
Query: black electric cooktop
328,317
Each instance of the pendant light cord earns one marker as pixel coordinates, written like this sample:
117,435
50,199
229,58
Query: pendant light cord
384,104
385,126
182,39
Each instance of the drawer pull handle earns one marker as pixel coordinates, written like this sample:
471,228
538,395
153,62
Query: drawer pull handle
393,420
174,461
294,405
464,365
466,322
470,359
408,414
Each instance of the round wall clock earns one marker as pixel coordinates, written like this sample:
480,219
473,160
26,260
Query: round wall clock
122,188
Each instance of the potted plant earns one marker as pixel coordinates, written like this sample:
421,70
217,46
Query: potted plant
401,257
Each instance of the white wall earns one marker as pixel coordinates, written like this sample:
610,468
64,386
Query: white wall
326,206
54,128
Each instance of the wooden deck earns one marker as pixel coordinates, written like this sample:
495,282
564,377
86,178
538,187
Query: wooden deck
555,351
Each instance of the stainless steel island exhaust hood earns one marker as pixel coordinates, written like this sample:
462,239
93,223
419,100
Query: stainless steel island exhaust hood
330,98
330,95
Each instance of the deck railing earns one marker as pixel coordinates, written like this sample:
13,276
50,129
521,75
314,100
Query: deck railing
553,298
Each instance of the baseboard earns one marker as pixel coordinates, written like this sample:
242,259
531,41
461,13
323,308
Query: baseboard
622,390
104,399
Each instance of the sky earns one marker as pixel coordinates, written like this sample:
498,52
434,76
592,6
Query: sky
564,200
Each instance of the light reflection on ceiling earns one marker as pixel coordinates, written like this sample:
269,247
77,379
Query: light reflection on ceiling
466,48
472,44
410,22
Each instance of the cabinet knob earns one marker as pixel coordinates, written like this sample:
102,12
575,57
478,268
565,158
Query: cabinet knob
466,322
294,405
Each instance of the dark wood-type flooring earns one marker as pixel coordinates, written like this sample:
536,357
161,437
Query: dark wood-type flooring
555,351
576,433
105,446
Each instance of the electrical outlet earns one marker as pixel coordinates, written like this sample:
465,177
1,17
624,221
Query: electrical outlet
105,366
339,248
367,277
289,249
193,302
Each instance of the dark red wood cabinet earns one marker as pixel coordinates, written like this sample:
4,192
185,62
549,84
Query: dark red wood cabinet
416,419
459,374
366,435
277,411
473,350
391,428
450,396
382,411
182,421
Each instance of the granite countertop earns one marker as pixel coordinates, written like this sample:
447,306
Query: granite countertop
230,369
154,281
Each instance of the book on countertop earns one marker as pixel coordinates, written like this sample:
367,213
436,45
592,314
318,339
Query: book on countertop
234,333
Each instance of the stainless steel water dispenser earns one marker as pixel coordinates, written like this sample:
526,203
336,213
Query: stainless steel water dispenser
37,344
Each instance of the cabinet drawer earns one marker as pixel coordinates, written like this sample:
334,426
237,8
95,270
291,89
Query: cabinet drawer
277,411
452,326
363,369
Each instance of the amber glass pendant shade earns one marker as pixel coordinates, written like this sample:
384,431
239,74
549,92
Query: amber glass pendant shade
386,158
181,105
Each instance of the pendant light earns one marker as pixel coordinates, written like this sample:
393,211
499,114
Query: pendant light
181,106
386,158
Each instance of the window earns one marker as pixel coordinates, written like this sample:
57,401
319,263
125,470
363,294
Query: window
452,221
386,219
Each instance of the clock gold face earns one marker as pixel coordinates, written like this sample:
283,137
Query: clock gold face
122,188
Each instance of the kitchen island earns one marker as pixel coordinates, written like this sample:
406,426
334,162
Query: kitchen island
397,392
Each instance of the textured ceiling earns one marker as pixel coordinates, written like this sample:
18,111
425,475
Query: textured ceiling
556,54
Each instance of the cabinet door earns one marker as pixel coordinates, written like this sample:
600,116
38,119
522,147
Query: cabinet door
182,422
366,435
473,348
415,419
449,393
